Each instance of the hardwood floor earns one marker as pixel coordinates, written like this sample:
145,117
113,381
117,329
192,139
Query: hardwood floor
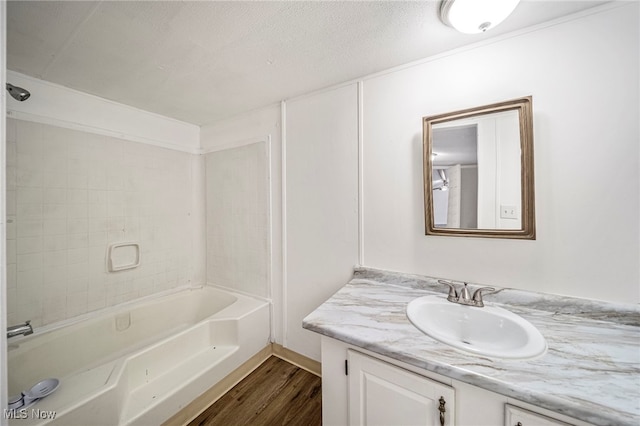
276,393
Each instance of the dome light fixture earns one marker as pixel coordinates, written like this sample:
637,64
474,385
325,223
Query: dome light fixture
475,16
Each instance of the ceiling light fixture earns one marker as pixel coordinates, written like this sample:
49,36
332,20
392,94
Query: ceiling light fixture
475,16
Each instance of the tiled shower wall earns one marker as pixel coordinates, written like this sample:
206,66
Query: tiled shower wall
69,195
238,244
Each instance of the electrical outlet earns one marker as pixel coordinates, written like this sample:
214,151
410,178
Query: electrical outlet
508,212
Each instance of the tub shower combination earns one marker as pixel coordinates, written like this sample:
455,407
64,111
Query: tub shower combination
139,363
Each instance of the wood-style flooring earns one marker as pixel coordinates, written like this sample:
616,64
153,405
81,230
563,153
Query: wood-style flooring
276,393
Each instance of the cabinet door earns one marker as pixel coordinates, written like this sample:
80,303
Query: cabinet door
515,416
383,394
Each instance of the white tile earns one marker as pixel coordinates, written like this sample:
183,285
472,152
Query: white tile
54,258
12,276
95,305
78,225
12,297
11,251
115,181
29,146
97,211
77,210
29,160
98,239
54,226
12,203
115,224
96,196
78,180
97,179
77,286
78,241
53,313
29,279
54,242
115,210
54,211
29,245
29,196
77,196
80,255
31,178
29,212
56,163
55,274
77,149
55,179
11,130
98,224
26,262
12,177
75,217
55,196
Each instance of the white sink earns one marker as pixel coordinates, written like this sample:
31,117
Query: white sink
490,331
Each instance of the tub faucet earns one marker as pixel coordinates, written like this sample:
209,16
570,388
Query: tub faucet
16,330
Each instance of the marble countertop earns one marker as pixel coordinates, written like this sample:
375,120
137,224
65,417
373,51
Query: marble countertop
591,370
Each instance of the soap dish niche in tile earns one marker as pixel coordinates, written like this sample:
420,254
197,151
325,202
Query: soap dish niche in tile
123,256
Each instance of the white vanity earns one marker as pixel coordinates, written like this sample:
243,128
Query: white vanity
378,368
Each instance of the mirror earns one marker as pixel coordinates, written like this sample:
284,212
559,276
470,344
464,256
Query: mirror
478,171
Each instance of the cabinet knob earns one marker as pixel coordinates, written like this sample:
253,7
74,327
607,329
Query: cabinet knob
443,410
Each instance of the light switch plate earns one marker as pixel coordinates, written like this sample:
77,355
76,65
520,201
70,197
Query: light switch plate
508,212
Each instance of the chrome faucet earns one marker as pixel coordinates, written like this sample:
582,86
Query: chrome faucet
463,297
16,330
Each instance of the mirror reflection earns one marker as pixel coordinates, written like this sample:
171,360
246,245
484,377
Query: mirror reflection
477,176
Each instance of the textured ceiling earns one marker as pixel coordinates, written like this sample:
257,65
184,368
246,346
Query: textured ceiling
200,62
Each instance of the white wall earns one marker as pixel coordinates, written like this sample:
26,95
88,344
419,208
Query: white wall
238,218
321,205
70,194
585,100
84,172
583,76
250,128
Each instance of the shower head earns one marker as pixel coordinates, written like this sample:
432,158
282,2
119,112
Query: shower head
18,93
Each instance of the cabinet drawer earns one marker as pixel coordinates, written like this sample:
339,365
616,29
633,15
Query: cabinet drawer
516,416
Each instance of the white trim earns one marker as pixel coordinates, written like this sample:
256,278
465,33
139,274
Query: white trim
3,217
60,106
238,144
361,172
283,144
243,293
270,292
25,116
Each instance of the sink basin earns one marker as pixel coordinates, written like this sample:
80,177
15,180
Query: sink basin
490,331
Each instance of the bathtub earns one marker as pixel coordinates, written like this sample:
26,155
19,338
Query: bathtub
137,364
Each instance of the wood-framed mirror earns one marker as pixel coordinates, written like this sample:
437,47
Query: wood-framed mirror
478,171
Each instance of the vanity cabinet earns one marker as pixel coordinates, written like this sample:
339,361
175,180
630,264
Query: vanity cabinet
374,386
360,387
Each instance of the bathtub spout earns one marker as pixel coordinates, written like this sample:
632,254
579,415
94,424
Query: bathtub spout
16,330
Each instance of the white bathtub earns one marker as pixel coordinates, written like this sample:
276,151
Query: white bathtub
141,363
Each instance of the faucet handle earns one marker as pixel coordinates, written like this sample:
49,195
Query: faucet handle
453,294
477,295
